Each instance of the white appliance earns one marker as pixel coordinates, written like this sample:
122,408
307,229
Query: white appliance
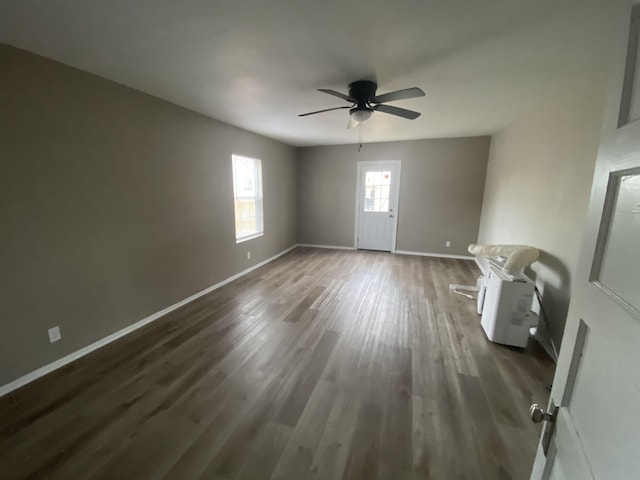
506,307
481,285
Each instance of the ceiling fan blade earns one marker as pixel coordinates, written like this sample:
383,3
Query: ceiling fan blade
352,123
337,94
412,92
325,110
400,112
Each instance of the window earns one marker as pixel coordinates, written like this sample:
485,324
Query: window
377,185
247,192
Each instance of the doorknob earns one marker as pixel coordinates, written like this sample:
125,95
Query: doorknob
537,414
390,216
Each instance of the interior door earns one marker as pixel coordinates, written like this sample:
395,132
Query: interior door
377,211
595,433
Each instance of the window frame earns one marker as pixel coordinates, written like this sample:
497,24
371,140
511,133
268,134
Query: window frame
258,198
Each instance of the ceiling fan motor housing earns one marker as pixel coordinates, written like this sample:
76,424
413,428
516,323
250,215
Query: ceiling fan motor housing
363,91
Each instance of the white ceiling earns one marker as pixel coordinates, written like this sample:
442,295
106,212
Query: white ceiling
257,63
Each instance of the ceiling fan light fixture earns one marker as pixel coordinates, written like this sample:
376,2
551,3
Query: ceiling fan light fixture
360,115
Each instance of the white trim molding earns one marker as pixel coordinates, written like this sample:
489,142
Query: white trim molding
439,255
42,371
333,247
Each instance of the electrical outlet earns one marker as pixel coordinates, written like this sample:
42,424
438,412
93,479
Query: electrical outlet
447,243
248,255
54,334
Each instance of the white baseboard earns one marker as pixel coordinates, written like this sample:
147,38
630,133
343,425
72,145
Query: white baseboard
440,255
42,371
334,247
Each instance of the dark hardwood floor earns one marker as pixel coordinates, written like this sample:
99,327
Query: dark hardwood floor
323,364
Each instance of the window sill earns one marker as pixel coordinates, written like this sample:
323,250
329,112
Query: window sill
249,237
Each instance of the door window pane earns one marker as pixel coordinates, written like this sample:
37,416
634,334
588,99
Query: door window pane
377,191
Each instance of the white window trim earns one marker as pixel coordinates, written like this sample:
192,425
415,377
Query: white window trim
250,237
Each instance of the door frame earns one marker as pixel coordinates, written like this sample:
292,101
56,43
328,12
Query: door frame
359,167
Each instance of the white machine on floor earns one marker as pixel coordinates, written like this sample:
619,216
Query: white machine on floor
505,303
505,293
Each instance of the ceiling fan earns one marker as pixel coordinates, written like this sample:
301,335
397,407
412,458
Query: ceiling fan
364,101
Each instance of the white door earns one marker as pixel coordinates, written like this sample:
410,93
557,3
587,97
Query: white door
597,382
377,205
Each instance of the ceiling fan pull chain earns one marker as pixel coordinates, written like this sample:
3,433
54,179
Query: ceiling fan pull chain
360,135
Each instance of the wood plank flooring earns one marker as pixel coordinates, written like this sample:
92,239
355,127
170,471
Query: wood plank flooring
324,364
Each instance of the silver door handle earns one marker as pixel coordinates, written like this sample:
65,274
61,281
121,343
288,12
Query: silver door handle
537,414
390,216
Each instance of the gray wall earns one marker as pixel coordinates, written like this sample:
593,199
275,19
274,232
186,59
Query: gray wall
113,206
538,183
441,191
